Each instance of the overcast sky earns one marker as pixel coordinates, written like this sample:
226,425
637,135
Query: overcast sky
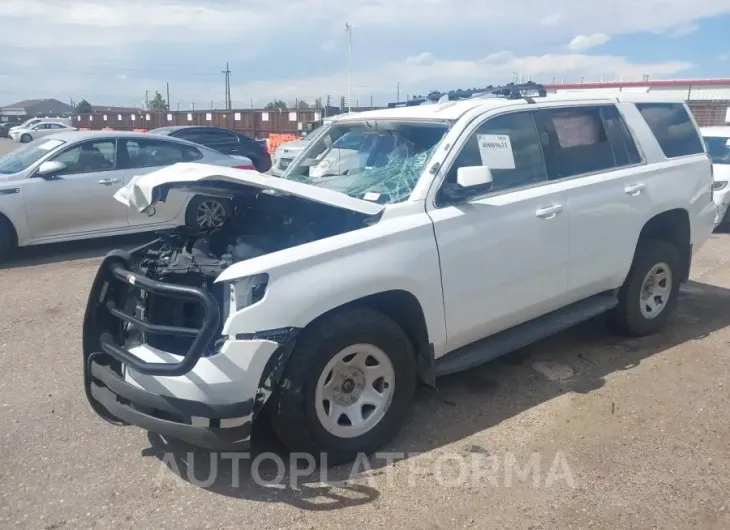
111,52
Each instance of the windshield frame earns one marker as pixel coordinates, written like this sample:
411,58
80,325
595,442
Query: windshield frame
313,147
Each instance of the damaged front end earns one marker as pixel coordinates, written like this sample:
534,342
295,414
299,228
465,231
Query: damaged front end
154,351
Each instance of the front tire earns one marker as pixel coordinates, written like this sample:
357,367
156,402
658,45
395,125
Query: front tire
26,138
347,388
649,294
206,213
8,239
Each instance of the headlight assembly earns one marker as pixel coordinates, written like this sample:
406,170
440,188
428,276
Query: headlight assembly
248,291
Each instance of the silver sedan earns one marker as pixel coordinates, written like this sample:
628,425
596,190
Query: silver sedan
61,187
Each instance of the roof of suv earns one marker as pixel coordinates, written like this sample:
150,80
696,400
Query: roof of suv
453,110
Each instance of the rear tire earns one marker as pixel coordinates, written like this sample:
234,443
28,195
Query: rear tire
205,213
333,399
649,294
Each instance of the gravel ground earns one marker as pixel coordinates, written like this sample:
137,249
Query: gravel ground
621,433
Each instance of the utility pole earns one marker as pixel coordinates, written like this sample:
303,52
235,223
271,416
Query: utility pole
397,93
168,97
348,29
227,71
147,98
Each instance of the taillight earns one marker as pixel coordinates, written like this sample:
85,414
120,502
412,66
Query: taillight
249,166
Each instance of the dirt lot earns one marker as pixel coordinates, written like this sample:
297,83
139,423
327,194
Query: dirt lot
622,433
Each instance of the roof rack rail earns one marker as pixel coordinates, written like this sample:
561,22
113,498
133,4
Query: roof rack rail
509,91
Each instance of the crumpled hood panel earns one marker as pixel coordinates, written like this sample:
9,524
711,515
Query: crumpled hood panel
144,191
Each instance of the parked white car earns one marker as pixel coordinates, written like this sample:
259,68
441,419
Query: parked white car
30,123
491,223
345,154
61,188
39,130
285,154
717,141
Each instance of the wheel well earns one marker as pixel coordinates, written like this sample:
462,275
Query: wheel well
673,227
14,234
405,310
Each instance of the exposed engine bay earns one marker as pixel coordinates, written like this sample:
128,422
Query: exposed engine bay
261,223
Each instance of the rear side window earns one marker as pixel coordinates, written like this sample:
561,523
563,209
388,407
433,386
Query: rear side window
208,137
579,142
672,127
153,153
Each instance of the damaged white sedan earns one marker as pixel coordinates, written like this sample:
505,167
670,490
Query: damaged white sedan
446,242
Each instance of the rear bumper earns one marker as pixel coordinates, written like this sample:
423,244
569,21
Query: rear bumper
722,200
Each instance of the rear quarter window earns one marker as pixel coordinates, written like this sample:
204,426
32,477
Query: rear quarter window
673,128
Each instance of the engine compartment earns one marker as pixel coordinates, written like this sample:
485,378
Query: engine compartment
261,223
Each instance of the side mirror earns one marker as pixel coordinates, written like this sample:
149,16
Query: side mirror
470,181
49,168
471,176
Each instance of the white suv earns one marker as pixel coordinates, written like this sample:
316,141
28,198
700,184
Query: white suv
482,226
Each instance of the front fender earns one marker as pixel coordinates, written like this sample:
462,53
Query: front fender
312,279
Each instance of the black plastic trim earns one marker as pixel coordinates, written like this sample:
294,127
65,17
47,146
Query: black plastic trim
203,336
207,437
172,405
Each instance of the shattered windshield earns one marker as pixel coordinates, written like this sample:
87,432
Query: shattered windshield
375,160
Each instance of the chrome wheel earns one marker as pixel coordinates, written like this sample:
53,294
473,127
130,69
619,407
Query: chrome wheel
210,214
355,390
655,290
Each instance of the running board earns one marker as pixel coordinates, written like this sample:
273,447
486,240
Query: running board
524,334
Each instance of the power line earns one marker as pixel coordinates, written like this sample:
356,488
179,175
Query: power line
227,72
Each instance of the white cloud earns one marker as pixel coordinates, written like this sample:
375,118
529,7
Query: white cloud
78,47
417,78
583,42
684,29
422,59
551,20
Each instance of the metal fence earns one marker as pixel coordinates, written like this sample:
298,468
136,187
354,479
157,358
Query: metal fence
256,123
709,113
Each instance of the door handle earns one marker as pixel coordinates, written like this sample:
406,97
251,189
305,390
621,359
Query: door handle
107,182
549,212
634,189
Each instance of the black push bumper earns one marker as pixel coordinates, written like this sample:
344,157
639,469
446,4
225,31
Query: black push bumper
120,402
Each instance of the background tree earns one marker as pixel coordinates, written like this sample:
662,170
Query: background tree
157,104
276,104
84,107
303,105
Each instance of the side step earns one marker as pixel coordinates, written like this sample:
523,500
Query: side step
524,334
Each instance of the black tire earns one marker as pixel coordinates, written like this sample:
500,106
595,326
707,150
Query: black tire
8,239
191,218
627,317
291,410
26,138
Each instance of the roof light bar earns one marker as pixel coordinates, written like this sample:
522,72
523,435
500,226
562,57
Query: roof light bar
509,91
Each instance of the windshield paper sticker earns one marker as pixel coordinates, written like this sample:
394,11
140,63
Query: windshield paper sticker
371,196
495,151
50,144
